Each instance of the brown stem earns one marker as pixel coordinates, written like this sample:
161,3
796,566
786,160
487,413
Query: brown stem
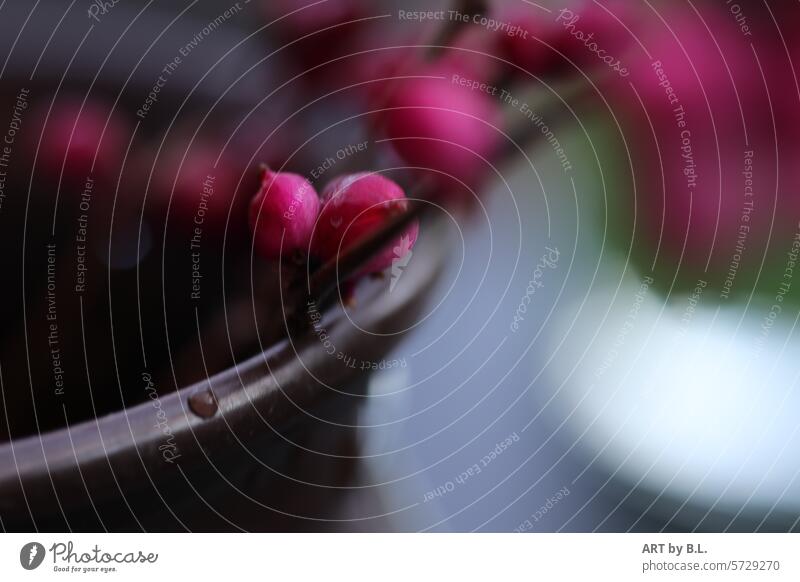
297,289
453,28
239,326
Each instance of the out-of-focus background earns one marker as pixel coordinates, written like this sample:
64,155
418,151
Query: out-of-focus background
611,343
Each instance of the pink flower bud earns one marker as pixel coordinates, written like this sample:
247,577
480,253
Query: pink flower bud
534,49
439,125
301,18
704,152
83,139
199,189
314,33
471,55
283,214
355,205
590,36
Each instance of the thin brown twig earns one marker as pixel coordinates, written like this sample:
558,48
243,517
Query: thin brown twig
452,28
328,277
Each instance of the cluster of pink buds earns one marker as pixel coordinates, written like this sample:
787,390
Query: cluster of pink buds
287,217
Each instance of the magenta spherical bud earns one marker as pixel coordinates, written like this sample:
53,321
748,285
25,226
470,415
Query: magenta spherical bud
77,140
691,123
471,55
354,206
313,33
581,35
438,125
199,186
536,49
283,214
299,18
